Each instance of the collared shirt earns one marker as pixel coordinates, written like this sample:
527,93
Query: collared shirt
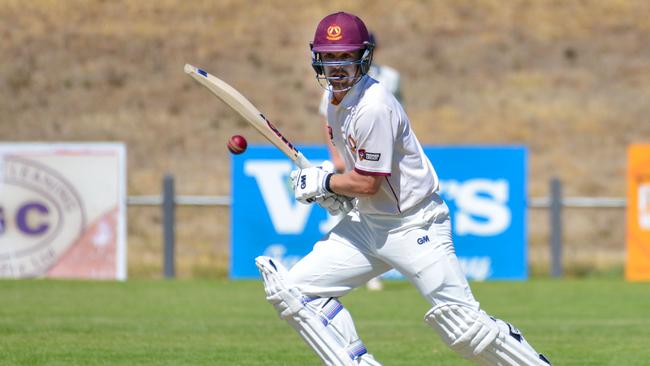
373,135
386,75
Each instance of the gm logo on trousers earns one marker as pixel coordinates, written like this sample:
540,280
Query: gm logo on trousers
484,188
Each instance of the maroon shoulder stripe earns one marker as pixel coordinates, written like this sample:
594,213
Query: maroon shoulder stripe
363,172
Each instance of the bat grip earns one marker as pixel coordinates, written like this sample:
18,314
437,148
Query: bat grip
302,162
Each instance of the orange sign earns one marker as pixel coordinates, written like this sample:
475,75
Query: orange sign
638,213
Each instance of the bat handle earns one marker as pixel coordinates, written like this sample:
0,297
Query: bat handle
302,162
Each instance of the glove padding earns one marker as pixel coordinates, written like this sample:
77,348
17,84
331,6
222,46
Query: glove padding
335,204
309,183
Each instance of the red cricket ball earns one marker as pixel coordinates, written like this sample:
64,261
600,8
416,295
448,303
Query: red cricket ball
237,144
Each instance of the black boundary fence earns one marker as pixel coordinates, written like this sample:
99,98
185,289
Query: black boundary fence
555,203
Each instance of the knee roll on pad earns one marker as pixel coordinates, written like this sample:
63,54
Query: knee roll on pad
465,330
323,323
478,337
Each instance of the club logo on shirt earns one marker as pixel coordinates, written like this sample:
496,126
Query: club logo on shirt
334,32
352,145
365,155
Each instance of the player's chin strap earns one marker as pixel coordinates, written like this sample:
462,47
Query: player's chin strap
323,323
481,338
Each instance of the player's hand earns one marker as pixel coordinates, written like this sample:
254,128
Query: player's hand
335,204
310,183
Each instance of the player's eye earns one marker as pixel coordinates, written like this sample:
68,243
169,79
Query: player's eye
346,56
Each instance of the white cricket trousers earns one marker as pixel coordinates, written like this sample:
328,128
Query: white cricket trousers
416,243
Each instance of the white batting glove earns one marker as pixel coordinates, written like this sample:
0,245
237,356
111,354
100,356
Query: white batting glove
313,182
335,204
327,166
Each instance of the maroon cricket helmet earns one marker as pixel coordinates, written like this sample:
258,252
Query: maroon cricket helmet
340,32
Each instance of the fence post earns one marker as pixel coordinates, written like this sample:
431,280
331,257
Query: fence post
169,221
556,227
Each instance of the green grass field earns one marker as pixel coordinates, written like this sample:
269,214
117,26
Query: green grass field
156,322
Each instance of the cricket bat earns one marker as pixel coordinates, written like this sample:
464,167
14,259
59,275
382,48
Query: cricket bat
247,110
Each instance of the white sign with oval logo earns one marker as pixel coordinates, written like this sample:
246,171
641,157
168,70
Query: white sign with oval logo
62,211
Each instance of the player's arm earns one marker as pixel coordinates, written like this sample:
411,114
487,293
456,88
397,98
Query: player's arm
335,157
375,149
369,171
339,165
320,183
354,184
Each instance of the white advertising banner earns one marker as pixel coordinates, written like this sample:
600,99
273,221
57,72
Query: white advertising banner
63,210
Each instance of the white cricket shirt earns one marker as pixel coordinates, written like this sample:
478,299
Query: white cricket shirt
373,135
386,75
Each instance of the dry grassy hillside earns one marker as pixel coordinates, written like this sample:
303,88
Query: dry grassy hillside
569,79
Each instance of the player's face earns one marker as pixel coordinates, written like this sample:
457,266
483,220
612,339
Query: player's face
342,69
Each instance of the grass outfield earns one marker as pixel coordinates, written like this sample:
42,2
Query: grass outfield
45,322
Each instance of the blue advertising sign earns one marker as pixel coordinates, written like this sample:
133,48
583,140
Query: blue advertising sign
484,187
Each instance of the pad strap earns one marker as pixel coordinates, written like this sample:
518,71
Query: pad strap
323,323
478,337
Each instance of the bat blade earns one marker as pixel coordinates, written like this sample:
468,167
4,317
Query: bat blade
248,111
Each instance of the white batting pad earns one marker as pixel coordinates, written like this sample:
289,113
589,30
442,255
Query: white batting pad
478,337
323,323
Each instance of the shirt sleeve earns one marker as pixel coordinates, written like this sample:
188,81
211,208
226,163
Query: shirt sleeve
375,137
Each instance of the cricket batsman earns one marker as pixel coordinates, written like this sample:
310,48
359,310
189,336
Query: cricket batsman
397,220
